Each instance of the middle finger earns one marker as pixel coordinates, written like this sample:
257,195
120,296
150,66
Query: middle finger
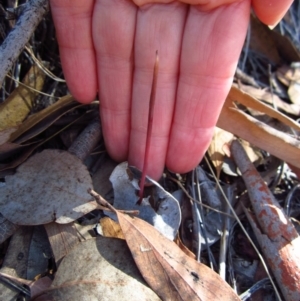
159,27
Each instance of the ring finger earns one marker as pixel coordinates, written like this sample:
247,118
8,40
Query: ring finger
159,27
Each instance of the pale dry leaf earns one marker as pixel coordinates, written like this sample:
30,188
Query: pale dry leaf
187,251
16,260
43,124
39,286
7,228
171,273
104,270
39,253
277,143
43,119
29,148
290,76
28,256
50,186
287,74
101,178
253,153
63,238
18,105
269,98
294,92
167,216
237,95
8,149
85,230
111,228
8,168
216,148
5,134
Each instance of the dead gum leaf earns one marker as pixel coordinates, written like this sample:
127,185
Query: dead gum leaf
167,269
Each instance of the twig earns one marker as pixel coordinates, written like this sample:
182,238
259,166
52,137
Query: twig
254,288
87,140
102,202
149,128
225,235
288,199
245,78
203,226
14,284
271,87
196,221
32,13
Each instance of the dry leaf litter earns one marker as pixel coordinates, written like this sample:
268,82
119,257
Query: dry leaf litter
195,236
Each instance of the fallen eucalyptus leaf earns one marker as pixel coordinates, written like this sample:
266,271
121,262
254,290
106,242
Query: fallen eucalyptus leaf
277,143
110,228
294,92
269,98
7,228
43,119
165,219
5,134
9,149
101,181
62,238
216,148
19,103
9,167
104,270
16,260
171,273
39,253
49,186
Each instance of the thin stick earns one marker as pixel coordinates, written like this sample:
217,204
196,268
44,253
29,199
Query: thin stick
32,13
149,128
87,140
105,205
225,234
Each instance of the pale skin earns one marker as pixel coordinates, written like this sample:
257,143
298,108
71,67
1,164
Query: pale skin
108,47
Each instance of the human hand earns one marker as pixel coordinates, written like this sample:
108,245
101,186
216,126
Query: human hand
109,46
